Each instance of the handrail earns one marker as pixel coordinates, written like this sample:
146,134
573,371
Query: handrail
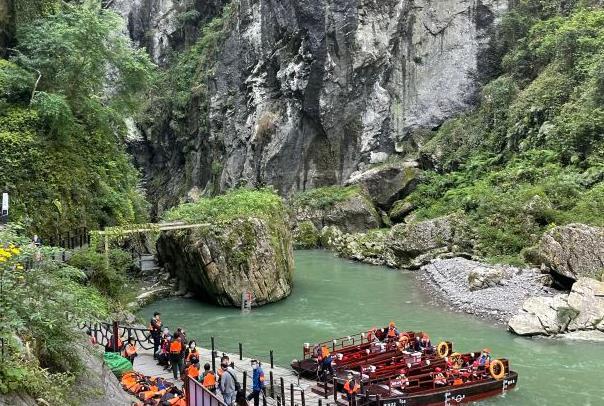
103,331
198,395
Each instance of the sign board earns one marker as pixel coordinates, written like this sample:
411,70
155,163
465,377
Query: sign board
4,212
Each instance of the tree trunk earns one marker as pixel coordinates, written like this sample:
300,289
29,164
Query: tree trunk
7,26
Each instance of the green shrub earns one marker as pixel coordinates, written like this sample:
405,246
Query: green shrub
325,197
39,358
110,281
238,203
307,235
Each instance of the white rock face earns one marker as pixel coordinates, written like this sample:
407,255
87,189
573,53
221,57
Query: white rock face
580,311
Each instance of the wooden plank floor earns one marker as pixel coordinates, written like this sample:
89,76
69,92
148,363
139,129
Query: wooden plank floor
145,364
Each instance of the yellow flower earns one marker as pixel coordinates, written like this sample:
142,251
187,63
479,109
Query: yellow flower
15,251
2,259
19,267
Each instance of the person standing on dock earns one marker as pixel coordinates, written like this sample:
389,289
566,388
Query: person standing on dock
351,387
155,326
208,379
228,382
176,355
257,382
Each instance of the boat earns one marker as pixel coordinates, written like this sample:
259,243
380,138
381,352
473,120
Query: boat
391,374
464,384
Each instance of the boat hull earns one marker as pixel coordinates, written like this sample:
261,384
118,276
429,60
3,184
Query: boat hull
451,395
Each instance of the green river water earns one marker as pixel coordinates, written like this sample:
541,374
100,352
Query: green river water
333,297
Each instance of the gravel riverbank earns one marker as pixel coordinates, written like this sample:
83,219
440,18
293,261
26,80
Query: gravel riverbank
494,292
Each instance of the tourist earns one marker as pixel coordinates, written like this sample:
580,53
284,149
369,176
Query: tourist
325,361
257,382
392,331
190,352
208,379
351,387
438,377
228,382
130,350
424,343
163,357
192,370
403,343
485,358
155,326
36,241
176,355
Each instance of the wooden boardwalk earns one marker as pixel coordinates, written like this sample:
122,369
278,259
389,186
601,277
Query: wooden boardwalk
145,364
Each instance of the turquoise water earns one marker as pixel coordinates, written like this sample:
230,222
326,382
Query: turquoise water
333,297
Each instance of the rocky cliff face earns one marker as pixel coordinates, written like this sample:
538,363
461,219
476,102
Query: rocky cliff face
305,93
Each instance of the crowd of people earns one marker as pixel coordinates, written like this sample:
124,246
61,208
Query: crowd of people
174,352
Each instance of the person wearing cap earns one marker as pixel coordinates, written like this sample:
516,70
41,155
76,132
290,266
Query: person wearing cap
155,327
351,387
438,377
257,382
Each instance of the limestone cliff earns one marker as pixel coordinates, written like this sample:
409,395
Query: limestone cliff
305,93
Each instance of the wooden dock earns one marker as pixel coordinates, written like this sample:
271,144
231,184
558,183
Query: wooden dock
300,388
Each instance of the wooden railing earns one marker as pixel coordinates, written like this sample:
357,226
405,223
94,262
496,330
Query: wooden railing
197,395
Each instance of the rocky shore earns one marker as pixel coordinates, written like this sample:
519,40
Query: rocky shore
495,292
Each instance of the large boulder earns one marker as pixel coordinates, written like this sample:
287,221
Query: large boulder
235,243
220,262
440,235
581,310
586,300
371,247
347,208
388,183
483,277
573,251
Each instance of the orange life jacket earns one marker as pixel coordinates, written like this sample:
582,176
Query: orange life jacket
130,350
391,332
324,352
175,347
193,372
192,354
209,380
177,402
350,390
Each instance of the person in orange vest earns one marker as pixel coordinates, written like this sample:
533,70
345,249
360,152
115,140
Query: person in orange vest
351,387
130,350
208,378
193,368
176,355
392,332
155,326
191,352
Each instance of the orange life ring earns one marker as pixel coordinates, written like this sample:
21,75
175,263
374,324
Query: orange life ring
442,349
495,366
